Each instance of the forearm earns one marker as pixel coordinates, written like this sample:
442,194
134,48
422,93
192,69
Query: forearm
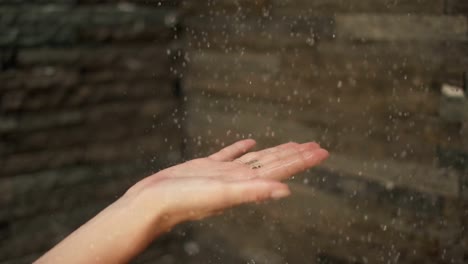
115,235
189,191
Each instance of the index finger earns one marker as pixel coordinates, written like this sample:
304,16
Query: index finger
233,151
293,164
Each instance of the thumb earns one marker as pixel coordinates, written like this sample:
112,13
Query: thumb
254,190
196,204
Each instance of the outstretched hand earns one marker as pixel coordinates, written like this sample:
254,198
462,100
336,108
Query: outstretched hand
202,187
189,191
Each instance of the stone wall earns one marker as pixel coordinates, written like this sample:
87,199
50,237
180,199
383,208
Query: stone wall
95,94
88,105
362,78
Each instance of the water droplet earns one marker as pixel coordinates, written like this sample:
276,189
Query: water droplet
191,248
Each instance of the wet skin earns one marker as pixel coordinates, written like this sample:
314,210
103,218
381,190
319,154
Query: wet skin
189,191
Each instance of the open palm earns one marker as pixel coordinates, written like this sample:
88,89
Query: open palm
188,191
202,187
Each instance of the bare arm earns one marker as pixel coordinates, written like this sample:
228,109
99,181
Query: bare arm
188,191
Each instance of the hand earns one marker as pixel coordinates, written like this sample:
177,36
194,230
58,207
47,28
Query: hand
202,187
192,190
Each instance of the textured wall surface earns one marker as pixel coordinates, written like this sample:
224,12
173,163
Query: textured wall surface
95,94
88,105
363,78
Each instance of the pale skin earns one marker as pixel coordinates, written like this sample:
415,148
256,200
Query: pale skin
189,191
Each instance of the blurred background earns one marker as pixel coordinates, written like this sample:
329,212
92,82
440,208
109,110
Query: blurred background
96,94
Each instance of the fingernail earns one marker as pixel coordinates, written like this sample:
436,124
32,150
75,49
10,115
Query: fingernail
308,146
316,152
280,193
324,153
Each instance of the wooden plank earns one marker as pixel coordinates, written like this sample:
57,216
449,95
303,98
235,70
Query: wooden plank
326,75
142,148
364,6
53,93
389,27
229,32
320,7
75,135
28,187
151,3
124,57
457,7
330,95
63,26
110,112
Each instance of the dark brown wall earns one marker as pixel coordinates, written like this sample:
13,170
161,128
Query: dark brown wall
362,78
95,94
88,104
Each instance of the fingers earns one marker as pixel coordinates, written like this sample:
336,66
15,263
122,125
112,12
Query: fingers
204,198
254,190
286,152
233,151
286,167
257,155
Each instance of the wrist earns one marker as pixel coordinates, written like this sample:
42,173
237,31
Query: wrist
115,235
145,209
140,213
